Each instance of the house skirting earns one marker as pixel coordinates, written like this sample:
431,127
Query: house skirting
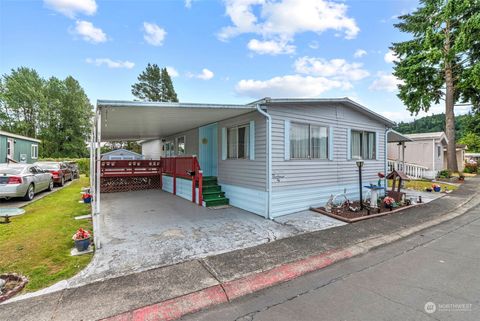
287,200
251,200
184,187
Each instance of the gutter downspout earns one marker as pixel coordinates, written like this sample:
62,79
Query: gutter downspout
269,160
387,130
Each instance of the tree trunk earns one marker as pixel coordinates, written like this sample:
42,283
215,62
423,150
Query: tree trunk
449,109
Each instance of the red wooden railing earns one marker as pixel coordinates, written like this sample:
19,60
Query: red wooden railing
125,168
184,167
130,175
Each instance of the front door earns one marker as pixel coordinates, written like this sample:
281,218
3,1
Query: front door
208,149
11,148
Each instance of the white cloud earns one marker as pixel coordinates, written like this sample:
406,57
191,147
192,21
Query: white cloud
154,34
172,72
359,53
71,8
334,68
385,82
188,3
282,20
89,32
110,63
288,86
314,44
390,57
204,75
270,47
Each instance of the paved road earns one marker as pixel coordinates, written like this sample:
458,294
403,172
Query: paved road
395,282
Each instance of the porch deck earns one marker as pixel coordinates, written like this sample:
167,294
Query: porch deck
147,229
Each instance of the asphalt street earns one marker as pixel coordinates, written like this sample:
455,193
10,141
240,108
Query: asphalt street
431,275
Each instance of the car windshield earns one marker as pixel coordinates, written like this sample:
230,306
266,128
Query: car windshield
11,170
48,166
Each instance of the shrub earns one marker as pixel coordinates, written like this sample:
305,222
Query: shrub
471,168
444,174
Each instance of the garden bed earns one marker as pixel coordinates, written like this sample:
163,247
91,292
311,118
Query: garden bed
345,215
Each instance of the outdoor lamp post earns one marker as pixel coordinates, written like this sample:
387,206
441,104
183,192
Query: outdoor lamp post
360,165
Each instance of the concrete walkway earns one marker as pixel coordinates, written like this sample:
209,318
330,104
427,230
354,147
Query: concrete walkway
196,284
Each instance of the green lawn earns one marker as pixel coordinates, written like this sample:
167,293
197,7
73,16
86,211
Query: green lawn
37,244
421,185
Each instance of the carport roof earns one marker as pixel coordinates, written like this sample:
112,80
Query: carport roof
149,120
396,137
138,120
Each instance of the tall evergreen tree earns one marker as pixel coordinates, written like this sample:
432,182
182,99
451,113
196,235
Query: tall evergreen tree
56,111
22,100
154,84
441,61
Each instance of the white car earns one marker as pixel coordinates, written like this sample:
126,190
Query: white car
23,180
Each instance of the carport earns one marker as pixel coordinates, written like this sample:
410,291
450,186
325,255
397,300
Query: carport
127,120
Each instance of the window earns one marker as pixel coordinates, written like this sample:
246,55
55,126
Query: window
363,145
10,143
34,151
169,149
439,151
308,141
180,141
238,142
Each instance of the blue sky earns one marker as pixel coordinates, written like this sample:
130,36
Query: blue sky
231,51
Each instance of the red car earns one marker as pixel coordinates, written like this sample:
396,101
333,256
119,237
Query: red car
60,171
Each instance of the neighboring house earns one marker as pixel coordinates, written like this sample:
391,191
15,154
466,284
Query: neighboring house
17,148
472,157
271,157
424,149
460,151
121,154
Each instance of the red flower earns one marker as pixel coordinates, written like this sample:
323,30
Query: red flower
81,234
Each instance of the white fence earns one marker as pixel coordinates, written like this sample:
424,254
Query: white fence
411,170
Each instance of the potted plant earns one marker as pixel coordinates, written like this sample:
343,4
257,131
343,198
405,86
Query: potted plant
388,202
437,188
81,239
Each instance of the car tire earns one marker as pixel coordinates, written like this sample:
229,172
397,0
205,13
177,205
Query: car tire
50,186
30,193
62,181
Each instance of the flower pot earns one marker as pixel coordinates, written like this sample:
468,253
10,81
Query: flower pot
87,200
82,245
437,189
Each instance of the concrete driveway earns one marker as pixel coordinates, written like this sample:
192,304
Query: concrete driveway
146,229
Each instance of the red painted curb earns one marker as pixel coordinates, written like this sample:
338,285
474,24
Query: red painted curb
175,308
286,272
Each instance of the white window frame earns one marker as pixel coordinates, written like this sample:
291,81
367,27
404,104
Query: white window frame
310,146
374,147
177,149
10,148
246,155
34,151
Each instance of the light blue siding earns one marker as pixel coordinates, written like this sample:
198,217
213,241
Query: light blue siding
208,149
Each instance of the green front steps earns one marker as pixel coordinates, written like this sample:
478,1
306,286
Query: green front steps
212,192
